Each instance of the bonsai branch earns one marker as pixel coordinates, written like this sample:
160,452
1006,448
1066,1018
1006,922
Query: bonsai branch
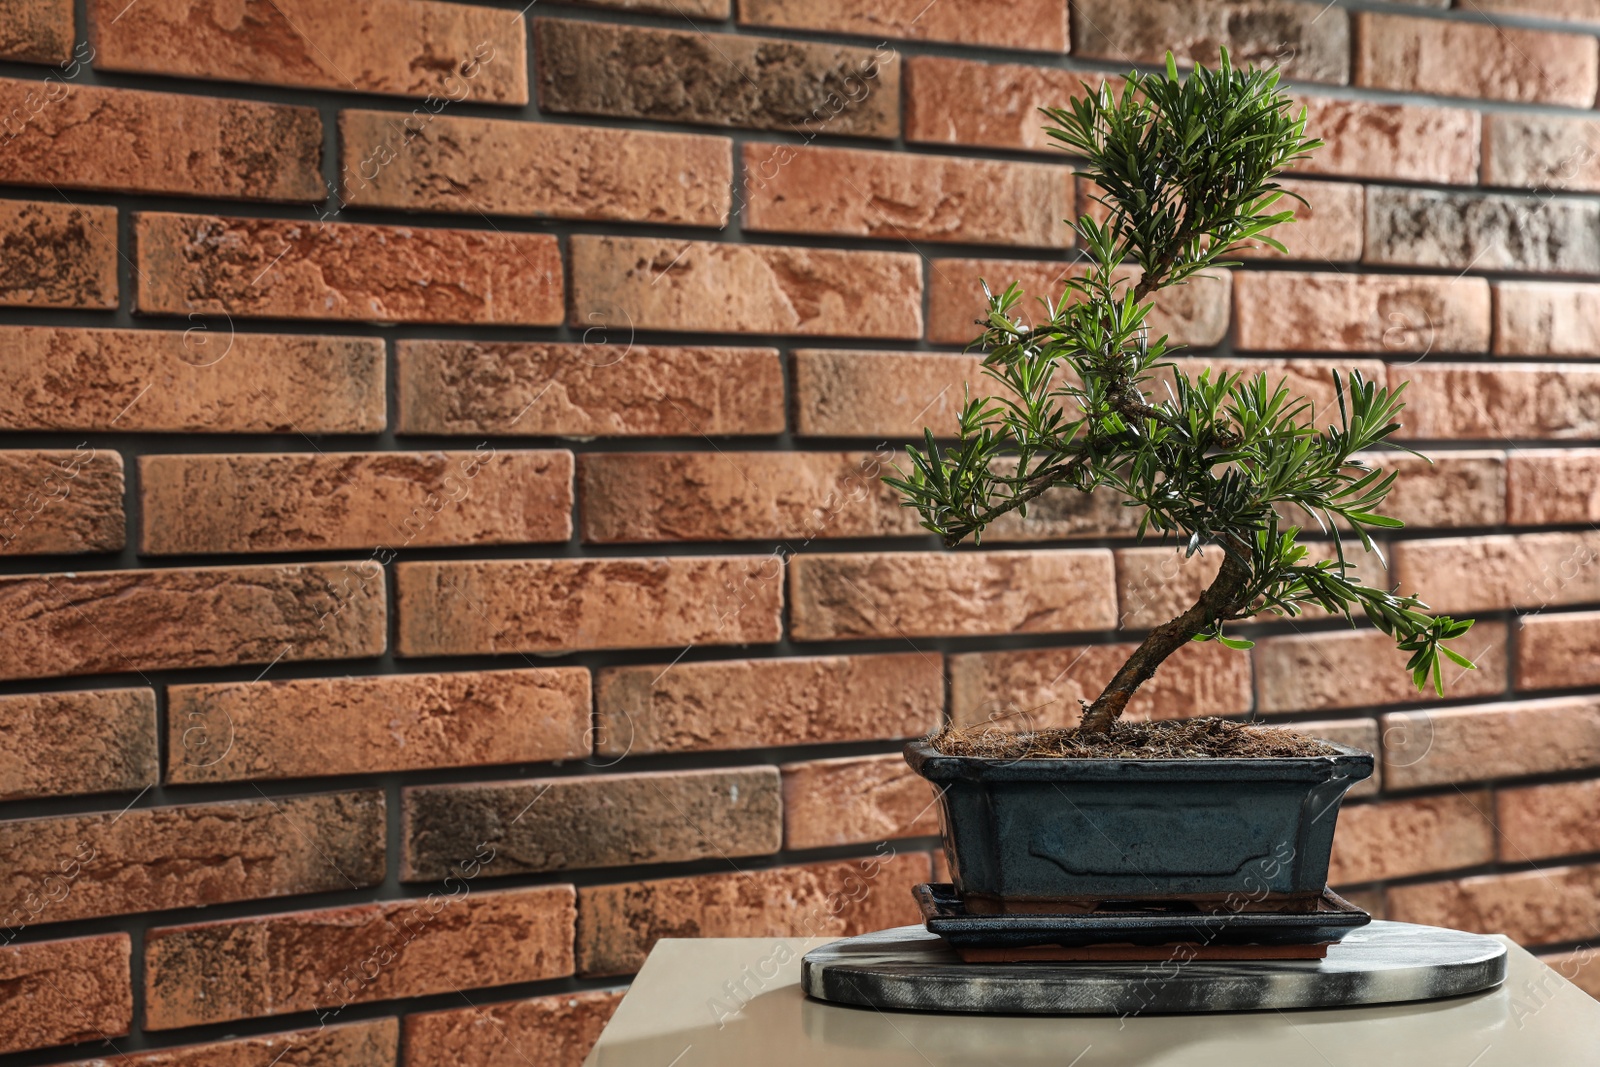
1222,599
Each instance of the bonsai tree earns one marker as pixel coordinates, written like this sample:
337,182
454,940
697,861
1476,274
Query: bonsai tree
1214,462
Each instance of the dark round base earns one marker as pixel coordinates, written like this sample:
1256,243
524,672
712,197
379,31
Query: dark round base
1384,963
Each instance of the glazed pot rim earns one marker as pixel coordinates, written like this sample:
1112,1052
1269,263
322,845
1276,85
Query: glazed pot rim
1345,762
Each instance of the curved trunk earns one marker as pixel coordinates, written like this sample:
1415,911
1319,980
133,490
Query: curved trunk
1222,598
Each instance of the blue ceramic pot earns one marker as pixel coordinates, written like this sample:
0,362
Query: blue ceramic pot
1053,830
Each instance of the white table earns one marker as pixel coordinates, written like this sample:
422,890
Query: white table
684,1011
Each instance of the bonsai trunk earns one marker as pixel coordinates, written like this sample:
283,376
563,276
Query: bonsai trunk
1221,599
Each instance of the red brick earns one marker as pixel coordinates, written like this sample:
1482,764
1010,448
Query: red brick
395,47
1545,821
844,393
1290,311
856,800
1329,227
1453,58
296,501
606,387
1521,401
799,700
1577,967
1445,489
1309,44
1042,688
1530,907
57,255
658,283
989,105
130,141
548,605
64,744
1034,25
1195,314
1552,486
925,594
272,964
718,10
200,379
1546,319
364,1044
94,622
228,731
898,196
66,992
1356,668
740,496
1392,142
553,1031
618,924
606,820
1421,835
497,167
1574,10
279,268
1443,746
1506,570
724,79
1541,152
61,501
1360,734
1558,650
193,855
1440,229
36,31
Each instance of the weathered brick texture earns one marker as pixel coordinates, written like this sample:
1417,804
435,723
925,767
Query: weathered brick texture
113,621
175,144
606,386
36,31
322,726
462,936
113,863
855,193
465,607
740,496
419,48
204,379
1476,744
63,744
903,595
561,1028
57,255
1038,25
697,707
267,268
652,283
61,501
1454,58
763,83
483,167
1310,44
611,820
73,990
293,501
619,923
363,1044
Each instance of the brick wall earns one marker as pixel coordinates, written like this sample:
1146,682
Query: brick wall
442,544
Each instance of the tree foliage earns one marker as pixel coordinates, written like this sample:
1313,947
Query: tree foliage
1089,400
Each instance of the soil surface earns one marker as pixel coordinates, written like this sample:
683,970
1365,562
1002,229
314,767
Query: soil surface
1178,739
